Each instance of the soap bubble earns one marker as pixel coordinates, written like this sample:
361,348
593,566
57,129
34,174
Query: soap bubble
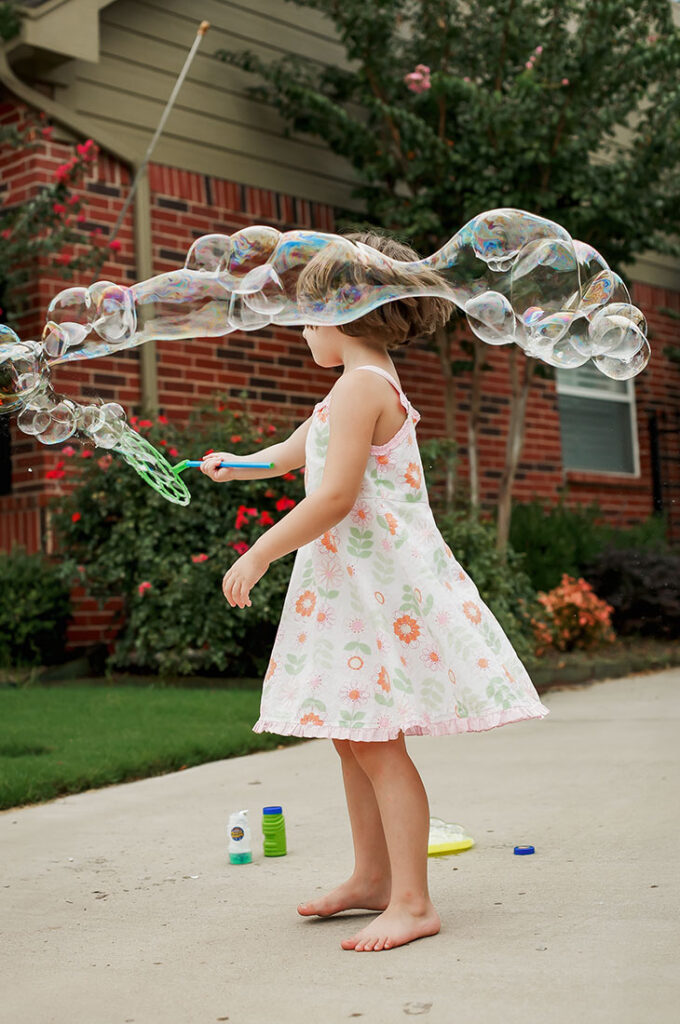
519,278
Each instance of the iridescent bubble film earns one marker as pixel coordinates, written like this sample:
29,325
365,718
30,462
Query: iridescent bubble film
518,278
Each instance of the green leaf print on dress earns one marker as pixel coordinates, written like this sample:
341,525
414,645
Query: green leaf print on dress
491,636
352,719
360,542
501,693
383,568
401,681
295,664
432,691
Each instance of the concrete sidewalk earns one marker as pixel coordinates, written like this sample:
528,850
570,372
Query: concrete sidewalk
103,921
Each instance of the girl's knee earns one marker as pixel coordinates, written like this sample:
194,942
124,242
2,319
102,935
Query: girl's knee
343,747
369,753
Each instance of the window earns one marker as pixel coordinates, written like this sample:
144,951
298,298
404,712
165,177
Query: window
597,421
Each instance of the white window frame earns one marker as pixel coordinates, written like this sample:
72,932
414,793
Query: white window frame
563,387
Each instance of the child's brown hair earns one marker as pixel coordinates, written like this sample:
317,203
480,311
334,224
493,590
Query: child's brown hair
394,323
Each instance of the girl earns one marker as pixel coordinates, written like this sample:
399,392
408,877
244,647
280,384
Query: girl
382,634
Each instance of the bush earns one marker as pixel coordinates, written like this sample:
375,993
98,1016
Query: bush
503,585
577,618
562,539
642,586
121,539
35,609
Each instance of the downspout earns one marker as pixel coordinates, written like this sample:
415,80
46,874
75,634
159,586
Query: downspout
148,375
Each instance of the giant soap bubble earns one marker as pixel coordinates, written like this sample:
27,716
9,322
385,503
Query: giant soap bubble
518,277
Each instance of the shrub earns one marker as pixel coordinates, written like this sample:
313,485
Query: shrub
34,610
642,586
503,585
577,618
121,539
561,539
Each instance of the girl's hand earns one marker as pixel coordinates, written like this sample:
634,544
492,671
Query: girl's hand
210,466
241,578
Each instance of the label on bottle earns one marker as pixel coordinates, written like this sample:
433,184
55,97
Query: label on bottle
237,833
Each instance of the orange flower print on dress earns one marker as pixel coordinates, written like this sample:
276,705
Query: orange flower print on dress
407,629
412,476
449,552
361,513
382,463
330,541
472,612
311,719
271,670
383,680
483,662
391,522
432,658
354,696
510,678
379,596
452,676
351,571
461,575
323,413
302,638
355,662
306,603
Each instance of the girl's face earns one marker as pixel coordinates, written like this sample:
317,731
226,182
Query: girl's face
326,345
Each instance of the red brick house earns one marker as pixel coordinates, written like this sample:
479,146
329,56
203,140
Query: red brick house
222,163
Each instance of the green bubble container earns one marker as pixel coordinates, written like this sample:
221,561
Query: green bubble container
274,832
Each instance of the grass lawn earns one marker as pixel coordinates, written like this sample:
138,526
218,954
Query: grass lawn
68,738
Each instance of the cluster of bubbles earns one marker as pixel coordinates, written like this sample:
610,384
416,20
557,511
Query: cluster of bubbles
518,277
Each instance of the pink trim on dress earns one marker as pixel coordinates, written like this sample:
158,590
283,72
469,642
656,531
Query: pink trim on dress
518,713
412,415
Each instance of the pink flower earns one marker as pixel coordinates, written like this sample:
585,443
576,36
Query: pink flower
143,587
539,50
240,547
565,81
58,208
114,244
172,451
105,461
145,424
47,132
86,453
68,450
467,79
235,438
529,65
200,558
418,80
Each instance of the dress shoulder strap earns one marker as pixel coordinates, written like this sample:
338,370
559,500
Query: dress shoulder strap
388,376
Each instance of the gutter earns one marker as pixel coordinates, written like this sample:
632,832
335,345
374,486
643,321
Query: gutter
142,203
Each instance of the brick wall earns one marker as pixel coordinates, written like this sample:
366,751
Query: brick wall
274,367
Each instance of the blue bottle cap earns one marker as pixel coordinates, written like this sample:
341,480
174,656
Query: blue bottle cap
523,850
272,810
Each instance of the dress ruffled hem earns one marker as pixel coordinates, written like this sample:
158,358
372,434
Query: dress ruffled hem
448,726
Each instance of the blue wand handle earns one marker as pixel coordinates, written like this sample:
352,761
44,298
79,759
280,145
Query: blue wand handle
234,465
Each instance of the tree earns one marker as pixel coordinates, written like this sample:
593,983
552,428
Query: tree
566,108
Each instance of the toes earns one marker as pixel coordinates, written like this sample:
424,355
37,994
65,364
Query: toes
380,944
349,943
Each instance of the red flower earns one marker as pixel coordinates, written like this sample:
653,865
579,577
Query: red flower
265,519
68,450
62,172
145,424
271,429
200,558
58,208
47,132
163,420
208,452
54,474
114,244
86,453
235,438
75,517
172,451
241,547
288,476
242,516
143,587
269,494
283,503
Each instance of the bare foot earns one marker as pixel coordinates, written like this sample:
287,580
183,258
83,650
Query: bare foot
351,895
397,926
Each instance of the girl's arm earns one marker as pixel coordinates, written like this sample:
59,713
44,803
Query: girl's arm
289,454
355,408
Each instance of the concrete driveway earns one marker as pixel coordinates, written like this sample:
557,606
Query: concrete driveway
119,905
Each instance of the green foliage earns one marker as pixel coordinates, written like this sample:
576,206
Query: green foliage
118,534
643,588
488,131
10,21
35,608
503,584
563,539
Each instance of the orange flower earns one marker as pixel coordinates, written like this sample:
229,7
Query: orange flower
412,475
302,638
473,612
483,662
271,670
311,719
391,522
305,603
329,541
382,460
407,629
354,695
323,413
380,598
355,662
384,679
350,570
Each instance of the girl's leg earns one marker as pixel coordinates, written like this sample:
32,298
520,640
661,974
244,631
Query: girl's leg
405,816
369,885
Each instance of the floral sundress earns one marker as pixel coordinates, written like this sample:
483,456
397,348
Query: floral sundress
382,631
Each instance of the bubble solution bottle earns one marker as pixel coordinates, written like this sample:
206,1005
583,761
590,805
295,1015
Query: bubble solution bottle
274,832
240,851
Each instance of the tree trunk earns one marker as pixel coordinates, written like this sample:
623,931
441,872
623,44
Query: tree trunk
443,342
514,444
473,422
